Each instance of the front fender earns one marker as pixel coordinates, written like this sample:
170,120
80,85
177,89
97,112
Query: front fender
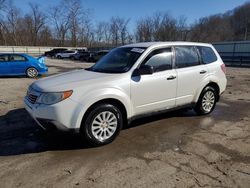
94,96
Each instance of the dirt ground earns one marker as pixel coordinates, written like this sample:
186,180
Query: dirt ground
177,149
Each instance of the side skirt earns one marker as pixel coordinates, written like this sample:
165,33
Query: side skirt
160,112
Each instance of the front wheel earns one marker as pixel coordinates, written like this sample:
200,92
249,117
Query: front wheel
31,72
102,124
207,101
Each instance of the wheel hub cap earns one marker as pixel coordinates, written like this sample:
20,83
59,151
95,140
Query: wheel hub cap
104,125
208,101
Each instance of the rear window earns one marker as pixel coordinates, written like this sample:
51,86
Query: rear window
17,58
207,54
186,56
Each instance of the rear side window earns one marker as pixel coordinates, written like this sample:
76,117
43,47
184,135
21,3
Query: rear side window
207,54
160,59
17,58
3,58
186,56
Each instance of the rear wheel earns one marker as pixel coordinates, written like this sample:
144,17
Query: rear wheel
102,124
31,72
207,101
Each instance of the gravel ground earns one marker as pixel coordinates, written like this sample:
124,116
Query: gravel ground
177,149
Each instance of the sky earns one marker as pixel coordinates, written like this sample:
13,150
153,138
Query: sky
103,10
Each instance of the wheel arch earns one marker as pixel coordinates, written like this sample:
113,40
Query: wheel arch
211,84
217,89
117,103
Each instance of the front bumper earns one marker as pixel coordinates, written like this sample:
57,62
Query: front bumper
58,116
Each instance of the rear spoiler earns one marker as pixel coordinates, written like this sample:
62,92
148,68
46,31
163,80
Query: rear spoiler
41,59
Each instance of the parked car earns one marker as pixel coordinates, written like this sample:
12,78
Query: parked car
53,52
95,56
131,81
66,54
81,55
21,64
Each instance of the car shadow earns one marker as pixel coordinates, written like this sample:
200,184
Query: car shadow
19,133
14,76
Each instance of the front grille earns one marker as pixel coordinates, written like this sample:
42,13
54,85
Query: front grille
32,98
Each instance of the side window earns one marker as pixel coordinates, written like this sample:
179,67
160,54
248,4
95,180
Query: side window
186,56
207,54
3,58
15,57
160,59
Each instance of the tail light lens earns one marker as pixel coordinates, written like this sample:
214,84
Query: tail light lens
223,67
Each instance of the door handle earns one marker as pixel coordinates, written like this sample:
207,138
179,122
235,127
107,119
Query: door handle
203,72
171,77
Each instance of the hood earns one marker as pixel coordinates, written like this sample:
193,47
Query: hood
69,80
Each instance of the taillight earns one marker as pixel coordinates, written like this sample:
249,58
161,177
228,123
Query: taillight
223,67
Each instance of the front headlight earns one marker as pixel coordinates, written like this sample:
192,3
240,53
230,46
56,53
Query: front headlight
52,98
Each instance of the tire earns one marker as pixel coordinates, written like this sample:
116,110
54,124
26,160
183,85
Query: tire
59,57
31,72
207,101
96,127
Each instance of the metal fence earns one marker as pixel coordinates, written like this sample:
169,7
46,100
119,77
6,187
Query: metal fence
234,53
31,50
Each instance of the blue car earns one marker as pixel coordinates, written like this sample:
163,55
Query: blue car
21,64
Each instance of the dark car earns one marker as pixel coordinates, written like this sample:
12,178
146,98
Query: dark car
81,55
53,52
95,56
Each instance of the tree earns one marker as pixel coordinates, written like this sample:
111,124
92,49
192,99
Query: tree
241,22
61,21
34,22
119,30
159,27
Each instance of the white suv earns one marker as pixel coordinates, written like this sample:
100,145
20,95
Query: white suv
65,54
130,81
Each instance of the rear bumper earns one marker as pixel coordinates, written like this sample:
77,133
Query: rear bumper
43,71
222,85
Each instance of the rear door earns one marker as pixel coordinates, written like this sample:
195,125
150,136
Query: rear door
18,64
4,65
190,73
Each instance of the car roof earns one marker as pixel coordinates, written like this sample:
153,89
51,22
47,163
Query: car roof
173,43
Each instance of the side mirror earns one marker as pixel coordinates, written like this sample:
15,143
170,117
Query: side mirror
146,69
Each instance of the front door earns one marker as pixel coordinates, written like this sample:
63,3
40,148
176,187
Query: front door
157,91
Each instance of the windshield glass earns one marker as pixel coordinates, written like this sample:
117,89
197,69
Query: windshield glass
119,60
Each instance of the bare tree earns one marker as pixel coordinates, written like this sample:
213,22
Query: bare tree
241,21
159,27
119,30
144,30
12,24
183,29
34,21
61,22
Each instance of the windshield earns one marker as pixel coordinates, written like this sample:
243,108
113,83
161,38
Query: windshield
119,60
